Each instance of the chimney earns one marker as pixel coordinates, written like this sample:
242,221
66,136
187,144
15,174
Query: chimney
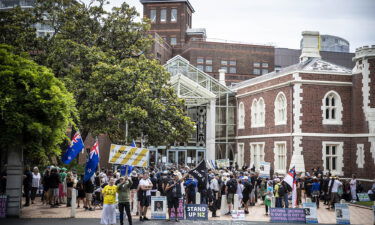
222,77
310,45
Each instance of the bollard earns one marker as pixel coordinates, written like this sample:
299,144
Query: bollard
73,203
198,198
224,205
308,200
158,193
236,202
342,201
135,203
273,202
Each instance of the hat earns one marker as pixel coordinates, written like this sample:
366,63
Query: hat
134,174
245,178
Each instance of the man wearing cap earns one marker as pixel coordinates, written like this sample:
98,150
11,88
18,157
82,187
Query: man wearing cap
246,193
173,191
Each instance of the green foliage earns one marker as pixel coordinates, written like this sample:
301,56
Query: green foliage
36,109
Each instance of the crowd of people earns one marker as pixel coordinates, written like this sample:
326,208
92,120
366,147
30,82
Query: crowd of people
109,190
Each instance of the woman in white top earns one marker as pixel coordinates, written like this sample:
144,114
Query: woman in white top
35,183
353,188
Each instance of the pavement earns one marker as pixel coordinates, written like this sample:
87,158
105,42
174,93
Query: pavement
42,214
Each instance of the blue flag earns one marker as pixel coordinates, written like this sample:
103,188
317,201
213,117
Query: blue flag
92,162
133,144
124,169
75,147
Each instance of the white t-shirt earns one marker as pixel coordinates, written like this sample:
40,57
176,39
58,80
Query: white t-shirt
336,185
36,180
146,182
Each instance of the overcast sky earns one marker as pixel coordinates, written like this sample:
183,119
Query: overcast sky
280,22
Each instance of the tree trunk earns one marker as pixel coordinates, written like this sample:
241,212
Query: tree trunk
14,180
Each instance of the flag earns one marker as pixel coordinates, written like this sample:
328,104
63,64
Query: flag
133,144
291,180
73,150
126,170
92,161
200,172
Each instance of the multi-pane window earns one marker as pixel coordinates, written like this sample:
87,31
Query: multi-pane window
265,65
332,109
209,61
241,116
232,63
256,71
240,154
256,154
224,68
153,15
173,40
200,67
232,70
173,15
360,155
224,62
163,15
258,113
280,109
331,157
280,157
209,69
264,71
256,64
200,60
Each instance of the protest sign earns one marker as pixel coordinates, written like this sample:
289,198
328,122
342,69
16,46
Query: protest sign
180,210
264,169
287,215
363,197
196,212
310,212
158,207
238,214
222,163
128,155
342,213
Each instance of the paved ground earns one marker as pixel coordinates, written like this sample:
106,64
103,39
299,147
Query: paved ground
357,216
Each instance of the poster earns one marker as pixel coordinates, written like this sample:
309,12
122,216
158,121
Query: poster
342,213
180,210
287,215
363,197
264,169
127,155
196,212
238,214
311,212
159,207
222,163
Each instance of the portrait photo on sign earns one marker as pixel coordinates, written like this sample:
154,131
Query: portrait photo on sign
339,213
307,212
158,207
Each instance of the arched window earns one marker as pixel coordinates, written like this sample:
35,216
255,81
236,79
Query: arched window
280,109
261,112
254,113
241,116
332,108
258,113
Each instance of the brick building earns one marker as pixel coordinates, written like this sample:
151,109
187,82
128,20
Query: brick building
311,114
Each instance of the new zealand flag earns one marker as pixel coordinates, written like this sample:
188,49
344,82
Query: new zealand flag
75,147
92,162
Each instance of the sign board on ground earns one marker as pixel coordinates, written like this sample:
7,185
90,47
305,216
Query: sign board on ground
363,197
264,169
310,212
127,155
238,214
342,213
158,207
287,215
196,212
180,210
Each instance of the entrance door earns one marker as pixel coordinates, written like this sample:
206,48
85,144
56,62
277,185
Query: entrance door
181,157
172,154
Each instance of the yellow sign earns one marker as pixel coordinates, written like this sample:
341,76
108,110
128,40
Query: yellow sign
127,155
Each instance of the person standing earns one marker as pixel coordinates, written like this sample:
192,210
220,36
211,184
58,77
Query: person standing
109,203
145,186
173,190
81,192
246,193
89,190
190,189
334,185
123,190
27,184
69,188
279,194
215,188
315,191
35,183
353,188
54,181
268,196
231,189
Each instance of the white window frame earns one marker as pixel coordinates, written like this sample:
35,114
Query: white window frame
276,151
280,109
339,157
240,154
163,15
262,112
173,42
338,108
257,152
174,17
241,116
153,17
254,113
360,155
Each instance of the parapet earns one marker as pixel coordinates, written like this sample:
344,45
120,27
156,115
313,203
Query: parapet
364,52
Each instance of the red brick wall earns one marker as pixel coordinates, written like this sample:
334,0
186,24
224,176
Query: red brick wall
330,77
104,148
265,84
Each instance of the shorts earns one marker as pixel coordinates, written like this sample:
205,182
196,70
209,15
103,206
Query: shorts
245,198
145,201
230,198
55,192
89,196
173,203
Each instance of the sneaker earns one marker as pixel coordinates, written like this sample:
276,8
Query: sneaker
177,220
91,209
145,218
140,218
246,212
227,214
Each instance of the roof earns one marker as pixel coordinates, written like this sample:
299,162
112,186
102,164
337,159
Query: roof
191,31
168,1
313,65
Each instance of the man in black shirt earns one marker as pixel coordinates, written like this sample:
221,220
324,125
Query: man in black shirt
173,191
27,181
89,189
246,193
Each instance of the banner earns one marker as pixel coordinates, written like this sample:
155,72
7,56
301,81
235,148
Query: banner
264,169
238,215
311,212
342,213
196,212
180,210
222,163
127,155
287,215
363,197
159,207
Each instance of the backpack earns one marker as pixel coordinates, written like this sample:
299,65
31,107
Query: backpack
281,190
232,186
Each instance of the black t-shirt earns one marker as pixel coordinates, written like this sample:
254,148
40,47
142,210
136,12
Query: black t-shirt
135,181
54,180
88,186
175,191
247,188
27,181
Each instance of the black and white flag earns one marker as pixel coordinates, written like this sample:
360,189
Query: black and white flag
200,172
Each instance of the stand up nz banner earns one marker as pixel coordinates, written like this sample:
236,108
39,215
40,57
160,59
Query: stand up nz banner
342,213
128,155
264,169
158,207
311,212
196,212
180,210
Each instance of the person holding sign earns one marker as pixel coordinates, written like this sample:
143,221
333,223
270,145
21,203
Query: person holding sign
123,190
173,191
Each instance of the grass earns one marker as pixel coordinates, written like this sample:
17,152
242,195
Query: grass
368,204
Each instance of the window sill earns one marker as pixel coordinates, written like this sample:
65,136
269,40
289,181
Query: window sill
280,123
332,122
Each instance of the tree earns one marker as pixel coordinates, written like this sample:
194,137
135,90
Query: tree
36,109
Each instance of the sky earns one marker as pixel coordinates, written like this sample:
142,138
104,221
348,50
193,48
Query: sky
280,22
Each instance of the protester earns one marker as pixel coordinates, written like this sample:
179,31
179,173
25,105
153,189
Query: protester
89,190
231,189
81,193
45,183
246,193
353,188
190,189
123,190
35,183
145,185
333,186
269,196
109,203
27,184
69,180
54,181
315,191
133,191
62,186
173,190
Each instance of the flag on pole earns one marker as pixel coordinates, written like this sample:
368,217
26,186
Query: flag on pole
92,161
291,180
73,150
133,144
200,172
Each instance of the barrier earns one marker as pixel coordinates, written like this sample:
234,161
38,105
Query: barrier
236,202
198,198
73,203
224,205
